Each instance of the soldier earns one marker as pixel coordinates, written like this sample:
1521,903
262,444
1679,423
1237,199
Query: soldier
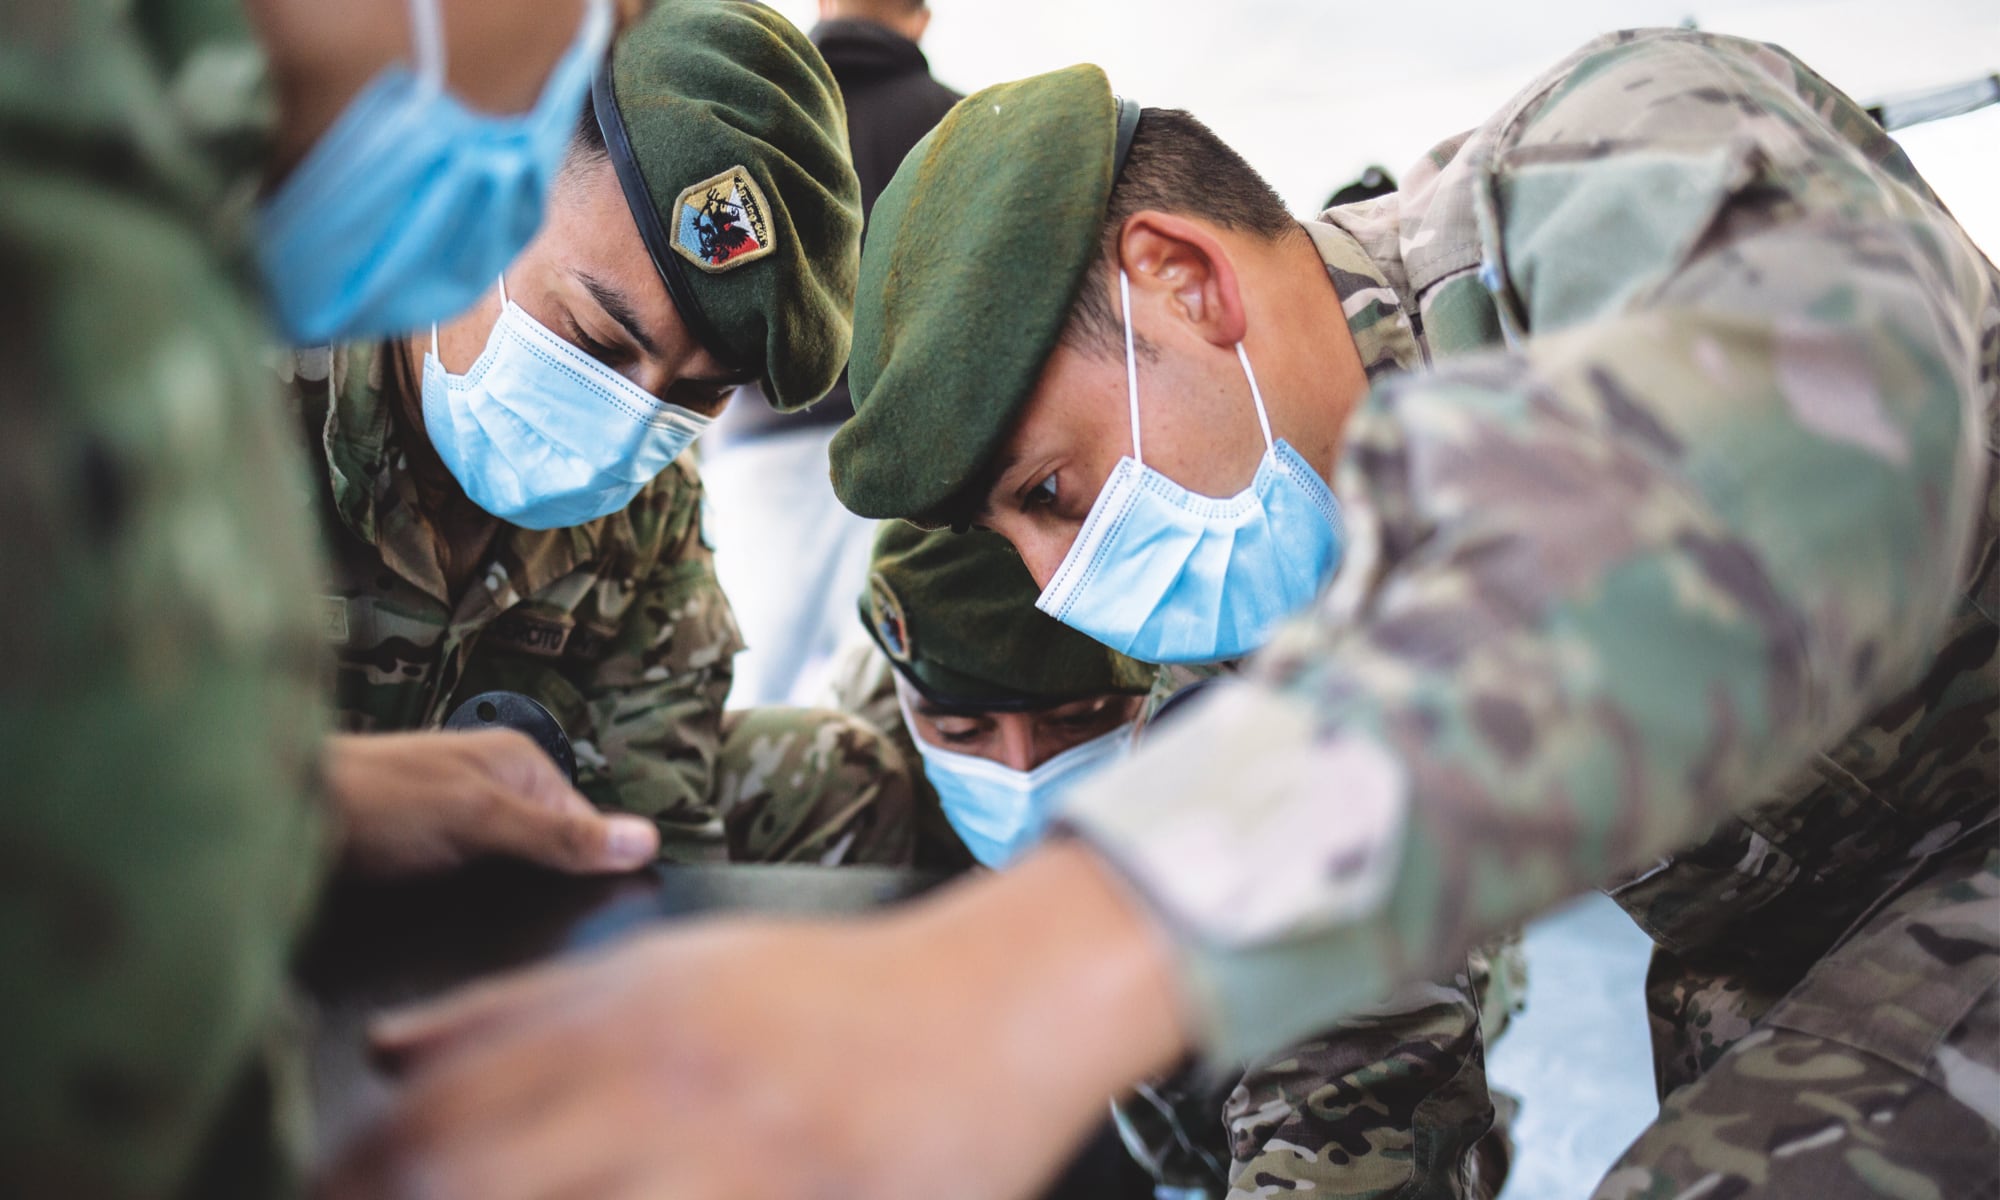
1009,710
171,795
506,494
1650,428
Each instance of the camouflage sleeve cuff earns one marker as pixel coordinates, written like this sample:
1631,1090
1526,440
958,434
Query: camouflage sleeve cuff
1263,899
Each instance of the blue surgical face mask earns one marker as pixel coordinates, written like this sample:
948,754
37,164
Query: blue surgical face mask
412,202
1163,575
542,435
997,811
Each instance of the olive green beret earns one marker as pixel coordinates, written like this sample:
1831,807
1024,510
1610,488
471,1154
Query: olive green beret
975,253
956,613
728,135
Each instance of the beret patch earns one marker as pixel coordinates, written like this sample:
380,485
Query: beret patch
727,133
956,614
892,628
724,222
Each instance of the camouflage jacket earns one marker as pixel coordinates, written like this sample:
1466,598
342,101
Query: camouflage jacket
1390,1102
1679,552
618,627
161,709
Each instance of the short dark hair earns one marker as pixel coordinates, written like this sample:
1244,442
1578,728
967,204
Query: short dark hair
586,144
1177,165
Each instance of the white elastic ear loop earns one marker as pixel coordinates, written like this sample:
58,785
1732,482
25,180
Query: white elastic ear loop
503,312
1131,360
1256,396
427,41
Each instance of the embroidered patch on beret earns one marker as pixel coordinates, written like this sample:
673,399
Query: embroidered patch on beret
722,223
891,626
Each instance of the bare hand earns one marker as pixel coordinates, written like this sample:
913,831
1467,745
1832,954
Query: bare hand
418,802
963,1047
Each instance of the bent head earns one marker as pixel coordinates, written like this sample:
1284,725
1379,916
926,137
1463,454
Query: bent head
1008,708
703,233
587,277
1025,423
1018,740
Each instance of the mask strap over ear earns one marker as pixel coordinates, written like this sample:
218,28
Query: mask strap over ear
1131,359
503,310
427,41
1256,396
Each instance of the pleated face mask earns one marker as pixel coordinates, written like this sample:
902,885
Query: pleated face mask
542,435
1163,575
413,201
997,811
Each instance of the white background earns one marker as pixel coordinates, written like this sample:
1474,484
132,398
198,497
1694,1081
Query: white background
1312,91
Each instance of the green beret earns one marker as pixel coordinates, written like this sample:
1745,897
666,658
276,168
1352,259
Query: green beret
956,613
728,135
974,257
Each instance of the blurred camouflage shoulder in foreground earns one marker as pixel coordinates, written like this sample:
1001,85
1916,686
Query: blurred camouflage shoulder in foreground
160,711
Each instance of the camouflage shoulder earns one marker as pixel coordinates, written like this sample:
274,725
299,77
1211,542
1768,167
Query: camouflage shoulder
662,522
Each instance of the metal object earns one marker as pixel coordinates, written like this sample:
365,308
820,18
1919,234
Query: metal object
1935,104
512,710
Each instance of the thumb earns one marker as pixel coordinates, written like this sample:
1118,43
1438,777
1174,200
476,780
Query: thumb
403,1037
572,836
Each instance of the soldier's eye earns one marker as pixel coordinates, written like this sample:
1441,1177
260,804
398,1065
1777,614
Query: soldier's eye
1042,495
607,355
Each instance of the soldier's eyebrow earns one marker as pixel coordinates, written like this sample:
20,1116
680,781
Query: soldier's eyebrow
618,306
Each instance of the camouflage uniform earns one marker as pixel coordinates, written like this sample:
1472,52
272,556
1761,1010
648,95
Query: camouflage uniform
160,704
1389,1103
1682,552
618,627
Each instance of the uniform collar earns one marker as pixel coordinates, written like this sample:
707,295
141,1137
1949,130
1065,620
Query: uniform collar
373,493
1357,242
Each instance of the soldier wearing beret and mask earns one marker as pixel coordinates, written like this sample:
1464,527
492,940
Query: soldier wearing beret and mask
1010,711
1617,505
510,496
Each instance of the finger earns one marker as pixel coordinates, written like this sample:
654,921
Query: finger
575,1136
581,839
403,1037
448,1125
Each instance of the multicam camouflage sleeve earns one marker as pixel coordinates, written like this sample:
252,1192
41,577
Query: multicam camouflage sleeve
655,691
1390,1102
1710,509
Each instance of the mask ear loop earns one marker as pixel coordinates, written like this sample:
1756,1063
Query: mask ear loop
1131,359
427,42
1256,396
503,312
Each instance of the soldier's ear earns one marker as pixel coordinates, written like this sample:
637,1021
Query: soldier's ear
1183,261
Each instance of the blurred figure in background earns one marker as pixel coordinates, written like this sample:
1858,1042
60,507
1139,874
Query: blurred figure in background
788,554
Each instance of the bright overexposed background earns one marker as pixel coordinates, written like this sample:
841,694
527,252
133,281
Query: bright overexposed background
1312,91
